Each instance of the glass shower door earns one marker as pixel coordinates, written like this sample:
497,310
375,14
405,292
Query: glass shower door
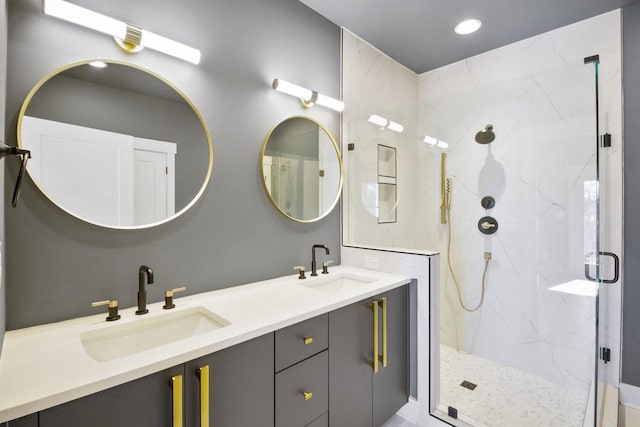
528,355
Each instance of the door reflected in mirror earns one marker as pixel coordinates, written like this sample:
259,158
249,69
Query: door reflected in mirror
117,146
301,169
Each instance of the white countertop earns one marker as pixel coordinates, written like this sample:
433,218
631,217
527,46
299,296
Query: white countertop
46,365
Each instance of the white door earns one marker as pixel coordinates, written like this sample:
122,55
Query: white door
153,180
85,171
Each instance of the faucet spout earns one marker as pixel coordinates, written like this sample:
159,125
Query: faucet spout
313,257
145,277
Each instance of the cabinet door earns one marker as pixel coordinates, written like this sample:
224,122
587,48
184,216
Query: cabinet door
146,402
390,384
241,386
28,421
350,371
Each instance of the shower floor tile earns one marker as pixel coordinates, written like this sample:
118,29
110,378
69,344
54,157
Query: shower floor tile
504,396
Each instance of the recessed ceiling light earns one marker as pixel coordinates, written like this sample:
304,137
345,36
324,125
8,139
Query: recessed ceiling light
469,26
98,64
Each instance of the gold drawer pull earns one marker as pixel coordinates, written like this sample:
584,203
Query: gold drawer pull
176,385
376,357
203,375
308,341
383,303
307,395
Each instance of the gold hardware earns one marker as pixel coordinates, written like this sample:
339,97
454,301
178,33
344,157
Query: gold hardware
172,291
487,225
307,395
176,385
113,309
203,375
111,304
308,340
443,202
376,357
131,42
383,302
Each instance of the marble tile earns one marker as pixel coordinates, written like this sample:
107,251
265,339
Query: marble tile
506,397
538,94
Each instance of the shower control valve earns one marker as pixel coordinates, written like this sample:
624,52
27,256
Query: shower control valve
488,225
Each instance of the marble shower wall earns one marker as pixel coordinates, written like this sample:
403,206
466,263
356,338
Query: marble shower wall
539,96
375,84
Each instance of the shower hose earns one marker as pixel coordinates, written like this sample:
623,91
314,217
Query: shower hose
455,280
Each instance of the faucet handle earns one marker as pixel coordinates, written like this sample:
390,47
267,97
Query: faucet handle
113,308
300,269
168,297
325,266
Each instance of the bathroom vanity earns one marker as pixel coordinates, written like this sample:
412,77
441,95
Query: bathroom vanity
324,350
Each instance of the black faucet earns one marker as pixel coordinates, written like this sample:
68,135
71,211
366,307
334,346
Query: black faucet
313,257
145,277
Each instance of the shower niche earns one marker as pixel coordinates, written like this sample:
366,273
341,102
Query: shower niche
387,185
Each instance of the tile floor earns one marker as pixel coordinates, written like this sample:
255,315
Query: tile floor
504,396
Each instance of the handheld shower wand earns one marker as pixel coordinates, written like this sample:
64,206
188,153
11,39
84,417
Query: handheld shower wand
24,155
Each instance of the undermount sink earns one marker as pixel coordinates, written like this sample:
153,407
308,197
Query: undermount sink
332,285
115,341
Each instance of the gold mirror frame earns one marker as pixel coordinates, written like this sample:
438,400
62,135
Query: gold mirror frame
337,150
188,101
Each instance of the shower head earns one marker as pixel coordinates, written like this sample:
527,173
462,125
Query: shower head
486,135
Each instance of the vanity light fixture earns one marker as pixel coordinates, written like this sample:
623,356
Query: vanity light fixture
307,97
385,123
129,37
434,142
468,26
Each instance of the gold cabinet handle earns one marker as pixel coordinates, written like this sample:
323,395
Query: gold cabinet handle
176,385
376,357
307,395
203,375
308,341
383,303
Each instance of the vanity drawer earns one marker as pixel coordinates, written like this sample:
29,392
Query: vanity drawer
300,341
293,407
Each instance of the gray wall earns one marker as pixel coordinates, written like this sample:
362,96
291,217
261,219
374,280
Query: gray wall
57,265
69,100
3,75
631,290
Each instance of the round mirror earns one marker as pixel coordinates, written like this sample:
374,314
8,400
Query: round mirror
301,169
115,144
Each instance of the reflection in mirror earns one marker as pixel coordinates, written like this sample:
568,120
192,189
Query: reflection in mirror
116,146
301,169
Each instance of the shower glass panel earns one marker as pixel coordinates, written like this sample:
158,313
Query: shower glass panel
527,355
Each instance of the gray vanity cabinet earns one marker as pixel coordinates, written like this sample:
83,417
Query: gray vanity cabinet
143,402
240,392
241,385
359,397
28,421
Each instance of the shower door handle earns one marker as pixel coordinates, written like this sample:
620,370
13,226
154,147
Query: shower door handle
616,267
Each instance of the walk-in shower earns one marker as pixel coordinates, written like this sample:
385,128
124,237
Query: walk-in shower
511,202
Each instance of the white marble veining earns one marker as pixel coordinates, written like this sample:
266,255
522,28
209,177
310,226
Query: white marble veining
375,84
540,97
66,372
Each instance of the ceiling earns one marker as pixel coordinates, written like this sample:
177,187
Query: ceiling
419,33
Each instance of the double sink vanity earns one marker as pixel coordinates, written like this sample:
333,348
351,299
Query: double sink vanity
284,352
